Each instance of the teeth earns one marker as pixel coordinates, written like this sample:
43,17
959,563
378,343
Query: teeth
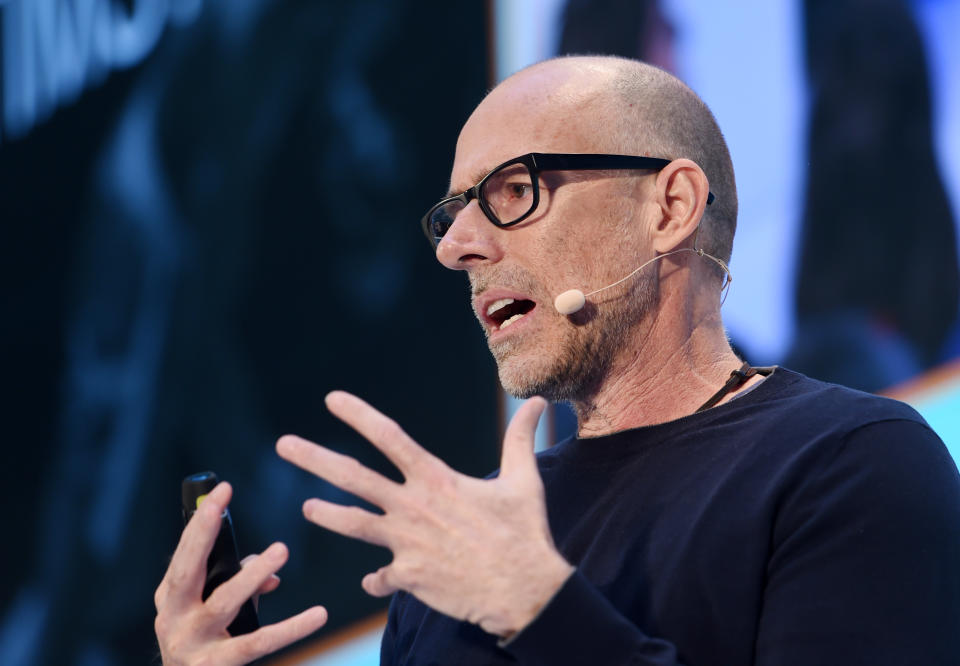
507,322
496,305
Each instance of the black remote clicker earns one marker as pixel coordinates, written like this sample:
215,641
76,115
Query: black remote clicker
224,561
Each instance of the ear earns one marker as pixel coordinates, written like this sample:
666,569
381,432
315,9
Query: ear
681,192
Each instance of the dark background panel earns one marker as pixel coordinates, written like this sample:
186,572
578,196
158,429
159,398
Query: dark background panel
196,249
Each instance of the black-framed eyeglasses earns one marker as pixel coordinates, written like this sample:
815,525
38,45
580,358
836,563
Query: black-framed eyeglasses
511,192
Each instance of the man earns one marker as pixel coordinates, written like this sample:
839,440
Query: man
705,514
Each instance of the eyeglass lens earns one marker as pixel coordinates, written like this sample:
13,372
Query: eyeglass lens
506,196
442,218
508,193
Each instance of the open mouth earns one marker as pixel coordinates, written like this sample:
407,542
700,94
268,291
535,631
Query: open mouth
505,311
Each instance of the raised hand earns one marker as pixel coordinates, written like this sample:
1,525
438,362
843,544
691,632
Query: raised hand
476,550
194,632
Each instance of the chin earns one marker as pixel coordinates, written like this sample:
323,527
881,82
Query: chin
519,389
560,379
516,380
522,375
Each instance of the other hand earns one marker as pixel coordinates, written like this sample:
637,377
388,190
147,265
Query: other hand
192,631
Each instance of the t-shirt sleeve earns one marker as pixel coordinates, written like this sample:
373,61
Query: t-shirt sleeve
388,643
580,626
865,559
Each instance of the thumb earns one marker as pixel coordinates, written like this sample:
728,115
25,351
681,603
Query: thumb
518,442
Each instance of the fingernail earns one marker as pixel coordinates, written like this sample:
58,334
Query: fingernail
286,444
276,551
217,495
318,614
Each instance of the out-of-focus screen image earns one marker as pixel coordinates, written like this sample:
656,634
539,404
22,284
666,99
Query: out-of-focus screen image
210,219
843,122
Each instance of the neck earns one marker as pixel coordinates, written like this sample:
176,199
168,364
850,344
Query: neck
675,361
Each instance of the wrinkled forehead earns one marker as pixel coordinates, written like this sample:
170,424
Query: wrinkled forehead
536,112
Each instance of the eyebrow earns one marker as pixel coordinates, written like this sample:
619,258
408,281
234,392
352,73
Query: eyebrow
476,178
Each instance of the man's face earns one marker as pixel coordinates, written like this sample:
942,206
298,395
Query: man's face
586,233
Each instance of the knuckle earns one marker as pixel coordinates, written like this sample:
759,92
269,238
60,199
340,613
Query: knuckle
414,507
215,607
179,578
346,470
257,643
402,574
388,429
159,596
351,469
438,489
161,625
362,525
396,573
444,483
512,494
431,469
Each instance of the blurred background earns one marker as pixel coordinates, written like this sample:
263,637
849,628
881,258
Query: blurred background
210,219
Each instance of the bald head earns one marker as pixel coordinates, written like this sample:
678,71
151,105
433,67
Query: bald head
615,105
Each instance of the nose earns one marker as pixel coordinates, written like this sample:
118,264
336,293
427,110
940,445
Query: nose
470,241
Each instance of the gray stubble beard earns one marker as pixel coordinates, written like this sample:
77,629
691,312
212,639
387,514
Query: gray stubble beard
588,354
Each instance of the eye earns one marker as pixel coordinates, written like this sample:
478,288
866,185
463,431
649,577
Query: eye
518,190
508,193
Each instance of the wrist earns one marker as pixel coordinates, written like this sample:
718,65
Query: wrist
526,601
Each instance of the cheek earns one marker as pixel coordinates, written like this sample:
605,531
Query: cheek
589,241
567,261
587,256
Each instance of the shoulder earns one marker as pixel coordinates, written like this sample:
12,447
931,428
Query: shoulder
796,406
864,524
859,454
812,426
787,388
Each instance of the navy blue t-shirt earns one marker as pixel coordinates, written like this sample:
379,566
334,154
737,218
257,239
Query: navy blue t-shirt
801,523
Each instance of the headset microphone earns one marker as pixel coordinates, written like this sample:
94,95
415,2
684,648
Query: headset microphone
573,300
